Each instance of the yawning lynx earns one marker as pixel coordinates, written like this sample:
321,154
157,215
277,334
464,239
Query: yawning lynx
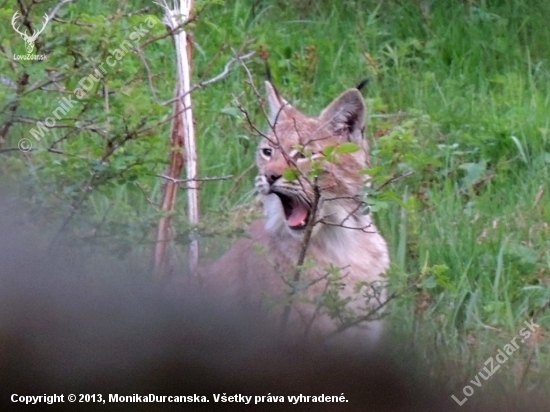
311,190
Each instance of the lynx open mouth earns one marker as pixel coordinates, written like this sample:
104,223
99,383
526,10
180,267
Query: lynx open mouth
296,211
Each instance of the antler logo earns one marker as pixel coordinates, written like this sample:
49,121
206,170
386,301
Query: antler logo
29,40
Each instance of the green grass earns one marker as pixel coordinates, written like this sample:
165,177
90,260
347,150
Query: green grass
460,96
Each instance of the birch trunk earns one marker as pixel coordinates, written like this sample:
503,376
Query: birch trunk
174,17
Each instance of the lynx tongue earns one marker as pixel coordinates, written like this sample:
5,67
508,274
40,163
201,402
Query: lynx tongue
298,215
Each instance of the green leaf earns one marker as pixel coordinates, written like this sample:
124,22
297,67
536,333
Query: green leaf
347,147
329,151
290,174
430,282
232,111
474,172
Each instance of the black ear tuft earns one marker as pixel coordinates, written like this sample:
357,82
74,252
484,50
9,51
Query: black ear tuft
363,84
268,74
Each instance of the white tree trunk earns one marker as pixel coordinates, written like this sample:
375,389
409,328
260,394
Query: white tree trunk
174,17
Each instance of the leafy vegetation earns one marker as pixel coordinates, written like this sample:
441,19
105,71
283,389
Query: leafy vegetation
459,95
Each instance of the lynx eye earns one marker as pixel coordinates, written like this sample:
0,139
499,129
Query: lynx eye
266,152
297,155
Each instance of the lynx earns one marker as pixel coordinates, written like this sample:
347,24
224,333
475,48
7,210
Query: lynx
311,192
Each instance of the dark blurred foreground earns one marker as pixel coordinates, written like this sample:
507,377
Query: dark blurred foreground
80,323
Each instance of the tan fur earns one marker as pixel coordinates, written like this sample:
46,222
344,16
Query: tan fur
259,269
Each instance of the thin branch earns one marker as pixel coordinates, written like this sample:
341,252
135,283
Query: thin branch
221,76
212,62
169,33
175,30
395,179
151,202
238,180
343,226
40,85
149,75
320,303
10,61
374,310
248,119
391,115
197,179
303,250
118,12
135,13
33,149
10,149
73,22
56,8
262,107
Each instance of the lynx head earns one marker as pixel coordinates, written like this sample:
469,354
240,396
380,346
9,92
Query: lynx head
296,159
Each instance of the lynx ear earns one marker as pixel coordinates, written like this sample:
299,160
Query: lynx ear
278,107
346,115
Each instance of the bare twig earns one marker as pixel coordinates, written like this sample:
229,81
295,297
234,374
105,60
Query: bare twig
151,202
221,76
33,149
363,229
319,304
10,61
149,75
248,119
237,181
369,315
390,115
197,179
57,8
174,29
212,62
395,179
302,255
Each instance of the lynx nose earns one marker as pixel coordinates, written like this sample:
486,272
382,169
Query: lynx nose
272,177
